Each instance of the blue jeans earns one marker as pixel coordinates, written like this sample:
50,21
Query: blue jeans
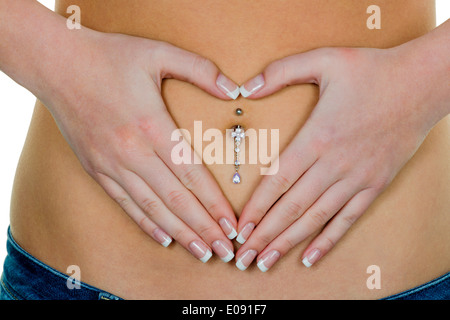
26,278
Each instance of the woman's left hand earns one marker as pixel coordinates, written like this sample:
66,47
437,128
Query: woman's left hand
371,117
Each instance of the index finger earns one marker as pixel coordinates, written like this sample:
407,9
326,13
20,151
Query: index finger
294,161
197,178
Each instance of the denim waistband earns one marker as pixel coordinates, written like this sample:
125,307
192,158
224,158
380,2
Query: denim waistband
27,278
436,289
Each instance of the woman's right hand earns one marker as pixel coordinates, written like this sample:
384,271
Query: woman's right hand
109,108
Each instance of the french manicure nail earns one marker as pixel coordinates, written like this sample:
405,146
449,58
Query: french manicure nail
200,251
311,258
225,253
227,86
228,228
268,260
245,233
252,86
162,237
245,259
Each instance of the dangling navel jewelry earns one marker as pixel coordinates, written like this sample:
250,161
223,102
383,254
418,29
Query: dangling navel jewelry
238,134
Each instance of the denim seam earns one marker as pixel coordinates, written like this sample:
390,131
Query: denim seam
8,290
428,285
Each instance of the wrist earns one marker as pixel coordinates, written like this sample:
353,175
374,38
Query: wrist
424,66
37,48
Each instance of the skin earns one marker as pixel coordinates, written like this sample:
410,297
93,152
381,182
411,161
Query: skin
343,157
63,216
138,138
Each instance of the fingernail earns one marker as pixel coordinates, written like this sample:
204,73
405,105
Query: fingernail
162,237
269,259
245,233
227,86
252,86
245,260
200,251
228,228
312,257
225,253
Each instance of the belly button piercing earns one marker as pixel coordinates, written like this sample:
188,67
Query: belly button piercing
239,111
238,134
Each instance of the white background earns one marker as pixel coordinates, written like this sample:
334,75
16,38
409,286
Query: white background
17,106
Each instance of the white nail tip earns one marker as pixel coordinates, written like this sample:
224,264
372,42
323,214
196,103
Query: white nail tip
232,234
306,262
206,257
240,239
234,94
244,92
167,242
229,256
261,266
240,265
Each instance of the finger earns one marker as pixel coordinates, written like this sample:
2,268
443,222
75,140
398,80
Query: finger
193,68
338,226
296,69
198,179
182,203
155,210
116,192
313,219
292,164
288,209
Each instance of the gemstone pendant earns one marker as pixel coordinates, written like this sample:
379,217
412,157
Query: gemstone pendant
237,134
236,178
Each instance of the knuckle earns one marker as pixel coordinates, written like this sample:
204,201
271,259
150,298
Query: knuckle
258,212
328,242
206,231
342,165
181,235
319,217
177,200
130,140
381,183
216,208
191,177
144,223
293,211
280,182
122,201
150,207
263,239
328,55
349,219
290,243
158,51
254,211
324,140
277,70
283,72
200,65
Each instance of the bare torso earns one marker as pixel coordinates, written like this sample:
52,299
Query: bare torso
63,217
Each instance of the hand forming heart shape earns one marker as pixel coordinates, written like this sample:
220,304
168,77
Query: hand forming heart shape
329,174
342,158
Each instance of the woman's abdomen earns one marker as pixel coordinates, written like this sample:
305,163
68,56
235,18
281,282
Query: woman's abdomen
63,217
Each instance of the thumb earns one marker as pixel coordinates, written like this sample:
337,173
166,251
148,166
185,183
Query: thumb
296,69
187,66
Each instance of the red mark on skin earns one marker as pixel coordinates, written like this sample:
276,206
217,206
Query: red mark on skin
125,135
348,53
